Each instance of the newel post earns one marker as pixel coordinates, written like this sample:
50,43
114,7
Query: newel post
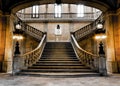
102,61
17,64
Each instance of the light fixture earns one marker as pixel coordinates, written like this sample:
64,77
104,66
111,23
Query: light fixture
99,25
18,32
100,31
18,26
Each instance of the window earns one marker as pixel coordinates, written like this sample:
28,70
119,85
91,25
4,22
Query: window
22,11
80,10
58,10
35,11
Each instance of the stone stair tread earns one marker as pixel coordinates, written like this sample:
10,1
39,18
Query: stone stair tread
57,70
58,64
58,55
58,67
60,74
58,58
58,61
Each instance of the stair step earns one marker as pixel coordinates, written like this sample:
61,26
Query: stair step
58,59
58,55
59,64
64,53
60,74
58,67
57,70
60,50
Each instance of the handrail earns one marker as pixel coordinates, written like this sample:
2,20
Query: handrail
31,57
76,43
87,30
85,57
30,30
38,16
33,32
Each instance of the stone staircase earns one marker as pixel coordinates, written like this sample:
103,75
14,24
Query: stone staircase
58,57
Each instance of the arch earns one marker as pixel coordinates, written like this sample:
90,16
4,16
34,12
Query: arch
96,4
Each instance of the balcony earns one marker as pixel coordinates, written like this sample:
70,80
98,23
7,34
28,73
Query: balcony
50,17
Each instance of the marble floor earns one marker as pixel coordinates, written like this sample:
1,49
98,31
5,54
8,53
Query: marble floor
9,80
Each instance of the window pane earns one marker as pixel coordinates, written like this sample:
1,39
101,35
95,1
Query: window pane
35,11
57,10
80,11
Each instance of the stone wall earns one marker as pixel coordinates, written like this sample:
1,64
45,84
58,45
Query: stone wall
29,44
89,44
66,28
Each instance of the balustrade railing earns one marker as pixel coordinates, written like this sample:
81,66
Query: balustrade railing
31,57
45,16
88,29
85,57
33,31
30,30
28,59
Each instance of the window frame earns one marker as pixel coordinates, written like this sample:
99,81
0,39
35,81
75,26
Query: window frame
35,11
57,10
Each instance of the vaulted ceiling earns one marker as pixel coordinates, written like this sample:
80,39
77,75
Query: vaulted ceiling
8,5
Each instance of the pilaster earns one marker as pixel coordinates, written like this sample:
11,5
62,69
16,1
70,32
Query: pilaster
112,41
6,42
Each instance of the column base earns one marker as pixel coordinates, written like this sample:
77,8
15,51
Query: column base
7,66
113,67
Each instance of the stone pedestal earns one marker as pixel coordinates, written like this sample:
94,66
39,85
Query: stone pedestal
102,65
17,64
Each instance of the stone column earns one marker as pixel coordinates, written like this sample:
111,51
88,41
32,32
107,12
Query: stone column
112,41
2,41
6,42
118,35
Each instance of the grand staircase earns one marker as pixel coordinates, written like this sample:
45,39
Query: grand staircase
58,58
